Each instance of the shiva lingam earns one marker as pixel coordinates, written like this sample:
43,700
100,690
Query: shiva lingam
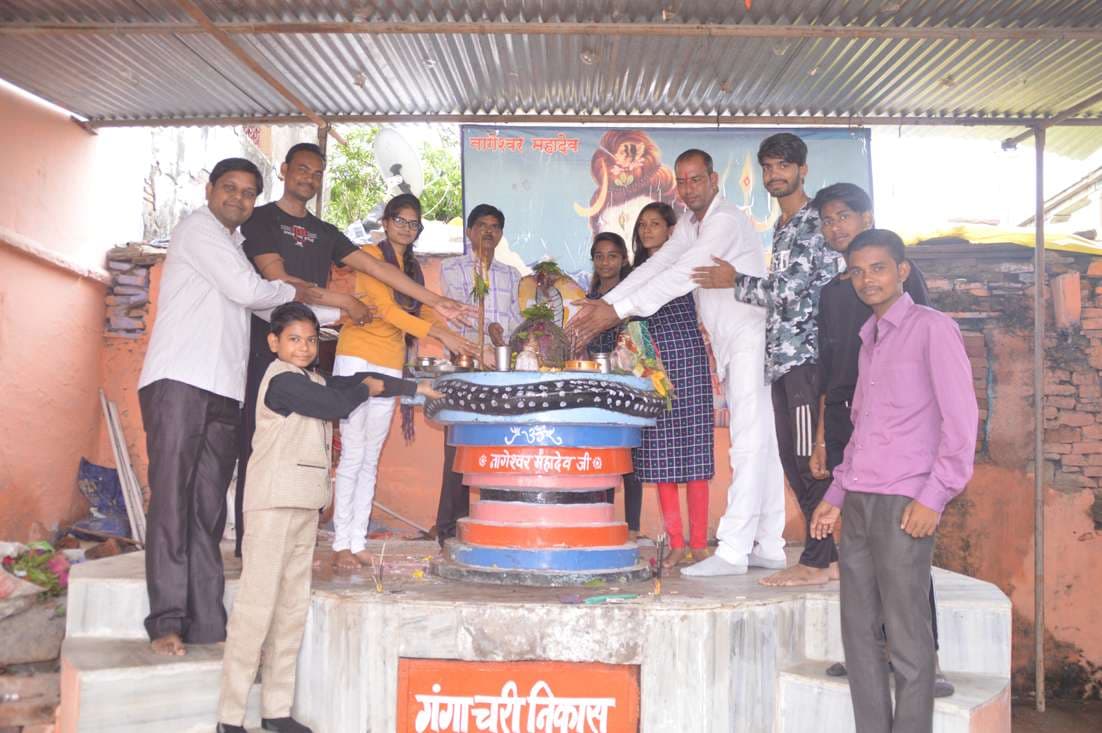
543,448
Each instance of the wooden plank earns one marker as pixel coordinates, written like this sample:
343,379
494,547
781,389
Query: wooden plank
132,478
118,462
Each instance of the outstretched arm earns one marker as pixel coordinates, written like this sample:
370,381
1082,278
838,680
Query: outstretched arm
396,279
271,268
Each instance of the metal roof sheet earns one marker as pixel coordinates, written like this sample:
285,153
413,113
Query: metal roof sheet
409,62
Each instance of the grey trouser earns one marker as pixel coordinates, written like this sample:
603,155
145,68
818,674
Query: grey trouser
191,436
886,580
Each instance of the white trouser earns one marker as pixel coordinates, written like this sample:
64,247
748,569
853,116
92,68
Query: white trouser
362,436
755,499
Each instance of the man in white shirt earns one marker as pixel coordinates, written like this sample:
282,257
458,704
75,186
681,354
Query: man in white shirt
485,226
716,228
190,387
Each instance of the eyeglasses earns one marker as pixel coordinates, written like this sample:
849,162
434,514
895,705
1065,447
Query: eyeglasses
402,223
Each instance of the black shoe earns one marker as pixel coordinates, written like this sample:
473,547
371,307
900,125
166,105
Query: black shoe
284,725
836,670
227,728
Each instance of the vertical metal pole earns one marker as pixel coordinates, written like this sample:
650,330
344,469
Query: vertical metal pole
323,143
1039,423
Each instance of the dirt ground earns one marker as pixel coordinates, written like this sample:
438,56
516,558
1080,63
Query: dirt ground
1061,716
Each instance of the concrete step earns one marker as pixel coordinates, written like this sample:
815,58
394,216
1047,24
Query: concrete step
973,618
810,700
121,686
107,598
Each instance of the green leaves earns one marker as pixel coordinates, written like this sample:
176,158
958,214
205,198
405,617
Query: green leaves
548,268
442,199
538,312
355,186
480,288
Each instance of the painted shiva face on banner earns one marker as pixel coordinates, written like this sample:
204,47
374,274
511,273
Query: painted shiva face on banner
628,171
563,185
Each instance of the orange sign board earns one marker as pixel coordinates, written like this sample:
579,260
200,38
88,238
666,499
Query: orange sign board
450,696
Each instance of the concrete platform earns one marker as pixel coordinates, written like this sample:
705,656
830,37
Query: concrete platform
714,655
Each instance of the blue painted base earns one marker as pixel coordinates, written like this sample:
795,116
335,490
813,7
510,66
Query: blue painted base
549,435
566,560
447,568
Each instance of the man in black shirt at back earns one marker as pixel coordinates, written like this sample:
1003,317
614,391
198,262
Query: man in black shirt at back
286,242
845,210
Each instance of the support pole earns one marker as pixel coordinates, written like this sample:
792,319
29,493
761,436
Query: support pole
1039,424
323,140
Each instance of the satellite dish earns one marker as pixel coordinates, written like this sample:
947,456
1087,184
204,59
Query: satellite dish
399,163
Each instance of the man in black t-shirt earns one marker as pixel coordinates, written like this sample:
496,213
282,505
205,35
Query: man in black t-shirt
845,210
286,242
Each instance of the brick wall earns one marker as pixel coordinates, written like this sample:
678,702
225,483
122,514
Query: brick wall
988,290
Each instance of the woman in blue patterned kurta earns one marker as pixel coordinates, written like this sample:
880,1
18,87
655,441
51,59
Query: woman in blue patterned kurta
611,265
679,448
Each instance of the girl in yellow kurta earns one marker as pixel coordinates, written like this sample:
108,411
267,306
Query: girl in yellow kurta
379,346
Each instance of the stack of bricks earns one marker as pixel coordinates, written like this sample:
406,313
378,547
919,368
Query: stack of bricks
988,289
128,296
975,345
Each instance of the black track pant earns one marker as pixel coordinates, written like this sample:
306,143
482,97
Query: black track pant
796,413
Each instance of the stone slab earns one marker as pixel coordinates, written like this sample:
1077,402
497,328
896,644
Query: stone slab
34,634
722,644
121,686
811,700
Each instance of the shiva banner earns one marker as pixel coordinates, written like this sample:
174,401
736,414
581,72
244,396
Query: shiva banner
558,186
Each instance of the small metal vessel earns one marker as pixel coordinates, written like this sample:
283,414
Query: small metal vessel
503,356
604,362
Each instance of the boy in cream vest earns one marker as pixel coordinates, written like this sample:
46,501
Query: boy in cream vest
288,482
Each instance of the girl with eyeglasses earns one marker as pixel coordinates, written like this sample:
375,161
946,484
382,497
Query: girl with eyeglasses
379,346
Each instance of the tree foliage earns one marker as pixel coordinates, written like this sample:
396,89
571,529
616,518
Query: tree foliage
355,185
442,199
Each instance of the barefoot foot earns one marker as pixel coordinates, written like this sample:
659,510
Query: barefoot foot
834,574
797,575
674,557
170,645
346,561
365,558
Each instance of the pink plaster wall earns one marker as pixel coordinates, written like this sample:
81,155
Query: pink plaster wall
48,181
51,332
51,321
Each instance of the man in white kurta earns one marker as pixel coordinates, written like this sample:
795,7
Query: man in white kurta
750,530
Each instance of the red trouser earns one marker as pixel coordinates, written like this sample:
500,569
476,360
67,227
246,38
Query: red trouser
670,502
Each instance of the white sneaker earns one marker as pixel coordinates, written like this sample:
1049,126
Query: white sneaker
713,566
757,561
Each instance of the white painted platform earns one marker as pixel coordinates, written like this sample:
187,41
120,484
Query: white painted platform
715,655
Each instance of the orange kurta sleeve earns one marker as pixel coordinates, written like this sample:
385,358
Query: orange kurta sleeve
382,341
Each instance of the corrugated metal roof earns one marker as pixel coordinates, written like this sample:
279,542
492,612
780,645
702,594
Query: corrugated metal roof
172,72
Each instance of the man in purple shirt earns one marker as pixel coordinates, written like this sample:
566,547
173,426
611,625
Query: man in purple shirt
913,444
